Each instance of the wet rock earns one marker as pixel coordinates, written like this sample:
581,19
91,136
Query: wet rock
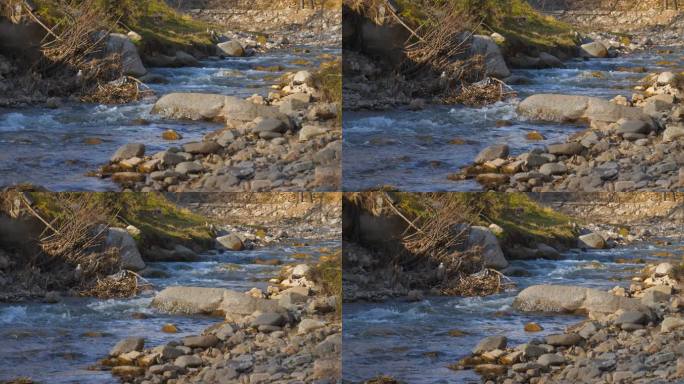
531,351
594,49
495,65
131,64
592,240
188,361
564,339
671,323
190,106
204,341
550,359
492,153
549,169
188,167
269,319
491,370
189,300
301,77
631,317
231,242
533,327
128,371
120,240
492,254
308,325
666,78
128,151
573,299
566,149
673,132
202,147
127,345
311,131
663,269
574,108
231,48
489,344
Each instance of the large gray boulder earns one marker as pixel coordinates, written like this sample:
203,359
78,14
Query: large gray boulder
573,299
574,108
594,49
213,107
495,65
190,106
492,255
230,242
231,48
211,301
131,64
592,240
120,240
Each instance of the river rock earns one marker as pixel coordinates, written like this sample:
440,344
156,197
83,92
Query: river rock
231,48
666,78
131,64
492,254
495,65
202,147
188,361
631,317
308,325
191,106
301,77
188,167
492,152
663,269
127,345
673,132
128,371
671,323
128,151
594,49
269,319
592,240
200,300
574,108
549,169
120,240
573,299
231,242
563,339
490,343
204,341
549,359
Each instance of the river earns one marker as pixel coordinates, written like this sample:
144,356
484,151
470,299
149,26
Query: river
411,150
400,339
50,147
48,342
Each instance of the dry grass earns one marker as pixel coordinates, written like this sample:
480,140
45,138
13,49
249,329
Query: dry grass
483,283
482,93
78,36
124,90
121,285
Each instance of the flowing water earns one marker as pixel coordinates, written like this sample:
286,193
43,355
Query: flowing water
410,341
50,147
411,150
47,343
